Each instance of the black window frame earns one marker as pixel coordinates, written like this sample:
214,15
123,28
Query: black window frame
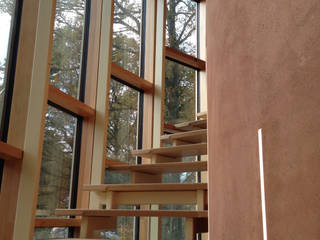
10,76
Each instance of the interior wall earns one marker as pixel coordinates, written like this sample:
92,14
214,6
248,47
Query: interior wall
263,72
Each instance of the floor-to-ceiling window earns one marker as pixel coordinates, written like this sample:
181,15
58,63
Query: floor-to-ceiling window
125,101
62,136
180,94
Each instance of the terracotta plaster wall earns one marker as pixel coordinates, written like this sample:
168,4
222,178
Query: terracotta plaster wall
264,72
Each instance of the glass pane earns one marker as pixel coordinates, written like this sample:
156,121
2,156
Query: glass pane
7,8
57,161
127,34
123,122
174,228
180,103
122,139
48,233
181,28
67,46
125,228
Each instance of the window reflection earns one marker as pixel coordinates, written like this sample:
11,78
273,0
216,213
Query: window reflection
182,25
122,139
127,34
57,163
180,82
123,120
67,46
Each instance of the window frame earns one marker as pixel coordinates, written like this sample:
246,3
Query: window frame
10,76
78,109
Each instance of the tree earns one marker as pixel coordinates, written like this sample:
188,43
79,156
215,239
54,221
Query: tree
6,8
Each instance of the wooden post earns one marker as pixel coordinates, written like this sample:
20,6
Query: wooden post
30,172
90,100
18,116
203,82
158,95
102,104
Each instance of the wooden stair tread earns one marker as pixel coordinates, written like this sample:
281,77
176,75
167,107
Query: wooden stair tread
174,151
146,187
135,213
202,115
192,125
174,167
197,136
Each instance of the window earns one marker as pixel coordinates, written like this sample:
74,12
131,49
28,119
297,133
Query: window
124,102
48,233
180,84
180,95
122,139
57,167
181,27
10,12
123,122
62,138
67,46
128,34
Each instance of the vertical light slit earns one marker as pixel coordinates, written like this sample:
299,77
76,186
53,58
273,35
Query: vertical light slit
263,199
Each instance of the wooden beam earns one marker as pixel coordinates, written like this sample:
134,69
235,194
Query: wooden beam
202,114
131,78
193,125
90,100
18,116
145,187
8,152
162,167
102,102
33,142
183,58
197,136
174,151
162,197
125,212
57,222
70,103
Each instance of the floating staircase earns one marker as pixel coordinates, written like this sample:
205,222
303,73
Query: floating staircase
146,187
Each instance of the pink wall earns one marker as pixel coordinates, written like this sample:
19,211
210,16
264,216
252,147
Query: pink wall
264,72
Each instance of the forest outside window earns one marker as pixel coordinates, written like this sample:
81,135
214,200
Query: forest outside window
128,34
181,26
67,47
122,138
180,85
57,169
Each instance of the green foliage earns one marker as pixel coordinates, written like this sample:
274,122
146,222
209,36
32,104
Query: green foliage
67,46
7,6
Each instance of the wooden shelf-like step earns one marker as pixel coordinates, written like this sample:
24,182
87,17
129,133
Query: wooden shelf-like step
174,151
152,193
193,125
202,115
146,187
174,167
133,213
197,136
